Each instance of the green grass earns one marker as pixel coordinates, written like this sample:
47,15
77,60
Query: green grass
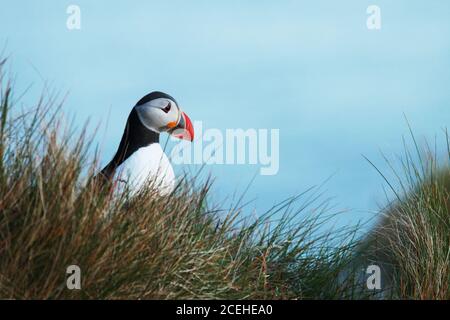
145,246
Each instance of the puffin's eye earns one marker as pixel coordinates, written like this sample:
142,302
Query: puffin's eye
167,108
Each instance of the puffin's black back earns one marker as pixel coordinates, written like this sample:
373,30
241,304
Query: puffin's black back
135,136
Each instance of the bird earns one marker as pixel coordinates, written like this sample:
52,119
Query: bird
139,156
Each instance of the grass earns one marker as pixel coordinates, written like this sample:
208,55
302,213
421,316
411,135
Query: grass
146,246
412,239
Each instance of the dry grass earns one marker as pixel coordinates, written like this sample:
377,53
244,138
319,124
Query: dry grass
412,240
145,246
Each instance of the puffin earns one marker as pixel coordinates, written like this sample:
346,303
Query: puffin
139,156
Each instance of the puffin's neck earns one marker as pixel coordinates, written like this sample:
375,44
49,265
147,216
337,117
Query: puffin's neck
135,136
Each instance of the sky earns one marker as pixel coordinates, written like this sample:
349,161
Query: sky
336,90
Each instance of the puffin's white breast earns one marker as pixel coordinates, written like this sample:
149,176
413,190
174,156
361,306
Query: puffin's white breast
148,163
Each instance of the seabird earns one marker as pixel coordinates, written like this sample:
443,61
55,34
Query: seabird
140,156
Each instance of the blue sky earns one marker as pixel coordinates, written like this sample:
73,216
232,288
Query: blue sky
312,69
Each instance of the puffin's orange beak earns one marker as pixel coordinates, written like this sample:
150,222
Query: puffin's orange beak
184,129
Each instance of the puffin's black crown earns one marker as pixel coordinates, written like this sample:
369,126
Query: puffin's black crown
155,95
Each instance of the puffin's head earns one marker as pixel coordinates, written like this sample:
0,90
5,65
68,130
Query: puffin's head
159,112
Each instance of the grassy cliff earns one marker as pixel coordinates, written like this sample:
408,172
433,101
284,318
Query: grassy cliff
147,246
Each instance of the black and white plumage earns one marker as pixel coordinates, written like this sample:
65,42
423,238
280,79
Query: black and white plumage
140,156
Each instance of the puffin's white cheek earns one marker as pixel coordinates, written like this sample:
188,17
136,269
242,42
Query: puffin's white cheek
152,118
159,117
172,115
